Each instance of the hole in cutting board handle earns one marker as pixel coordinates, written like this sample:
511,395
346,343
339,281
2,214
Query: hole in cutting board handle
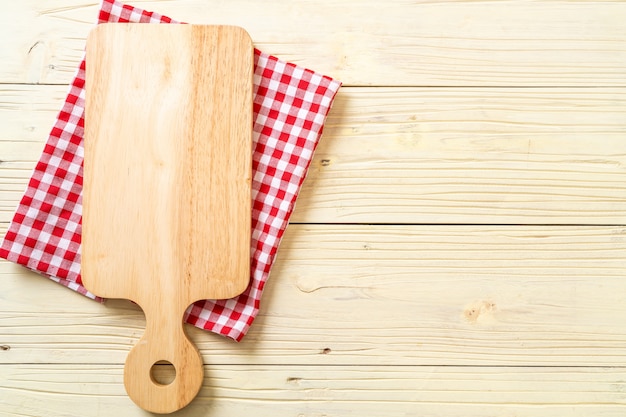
163,372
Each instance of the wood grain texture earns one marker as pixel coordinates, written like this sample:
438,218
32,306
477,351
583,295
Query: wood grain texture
168,162
437,155
420,155
332,391
357,295
424,42
167,185
515,317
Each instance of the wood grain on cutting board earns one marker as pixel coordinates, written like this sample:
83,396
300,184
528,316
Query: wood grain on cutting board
460,241
167,185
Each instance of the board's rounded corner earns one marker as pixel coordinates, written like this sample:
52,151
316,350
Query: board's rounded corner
245,34
242,33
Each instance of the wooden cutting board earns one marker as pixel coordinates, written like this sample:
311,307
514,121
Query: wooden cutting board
167,185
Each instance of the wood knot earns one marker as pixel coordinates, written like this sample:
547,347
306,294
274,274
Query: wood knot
480,311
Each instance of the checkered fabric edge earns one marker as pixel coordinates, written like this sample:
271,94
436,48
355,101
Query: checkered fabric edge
290,107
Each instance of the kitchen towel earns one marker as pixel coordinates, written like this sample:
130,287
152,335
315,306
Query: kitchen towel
290,107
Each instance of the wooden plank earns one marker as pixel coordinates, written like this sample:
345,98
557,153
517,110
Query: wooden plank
425,42
470,156
357,295
27,112
420,155
376,391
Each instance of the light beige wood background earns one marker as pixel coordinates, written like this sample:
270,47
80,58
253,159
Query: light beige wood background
459,248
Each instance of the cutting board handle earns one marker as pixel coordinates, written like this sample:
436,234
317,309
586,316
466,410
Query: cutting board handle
164,340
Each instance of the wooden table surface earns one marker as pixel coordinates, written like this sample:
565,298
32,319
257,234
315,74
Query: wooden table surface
458,249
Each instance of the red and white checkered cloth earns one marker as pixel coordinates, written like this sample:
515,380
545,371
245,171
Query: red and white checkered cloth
290,107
